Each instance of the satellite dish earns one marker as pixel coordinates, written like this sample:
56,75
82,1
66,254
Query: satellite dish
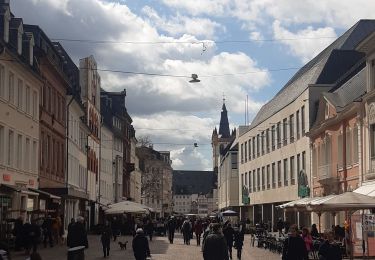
194,78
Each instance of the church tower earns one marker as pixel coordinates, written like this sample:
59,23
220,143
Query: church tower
220,140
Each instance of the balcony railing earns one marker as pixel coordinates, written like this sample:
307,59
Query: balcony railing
325,173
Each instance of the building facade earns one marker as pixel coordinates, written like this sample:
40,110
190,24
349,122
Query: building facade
275,152
136,175
106,166
20,88
156,180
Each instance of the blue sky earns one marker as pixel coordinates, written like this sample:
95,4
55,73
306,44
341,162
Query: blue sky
173,112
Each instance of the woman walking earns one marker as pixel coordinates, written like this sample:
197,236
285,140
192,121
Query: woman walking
294,247
308,239
106,239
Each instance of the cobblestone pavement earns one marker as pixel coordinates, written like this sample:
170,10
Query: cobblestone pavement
160,250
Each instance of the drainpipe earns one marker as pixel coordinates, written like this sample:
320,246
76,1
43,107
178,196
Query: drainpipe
345,171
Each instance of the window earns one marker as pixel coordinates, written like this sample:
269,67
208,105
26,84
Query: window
245,178
258,145
241,153
273,137
268,140
20,94
268,177
35,105
285,132
48,151
355,145
304,161
234,160
34,157
286,172
262,142
263,176
2,144
242,180
292,173
11,88
340,151
279,173
245,152
258,179
348,145
298,163
250,180
27,155
19,152
314,162
28,99
254,148
249,149
291,128
303,120
10,148
278,134
2,83
297,124
254,183
273,176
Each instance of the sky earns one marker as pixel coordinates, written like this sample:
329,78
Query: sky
240,49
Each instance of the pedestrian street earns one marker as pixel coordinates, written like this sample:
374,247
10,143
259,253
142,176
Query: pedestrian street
160,250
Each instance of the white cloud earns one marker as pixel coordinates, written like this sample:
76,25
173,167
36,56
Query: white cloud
256,36
61,5
212,7
306,44
179,25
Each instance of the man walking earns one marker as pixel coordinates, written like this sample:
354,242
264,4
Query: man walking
228,232
186,231
215,246
198,229
140,246
171,226
106,239
77,240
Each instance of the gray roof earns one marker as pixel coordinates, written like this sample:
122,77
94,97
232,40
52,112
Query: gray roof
351,90
192,182
326,68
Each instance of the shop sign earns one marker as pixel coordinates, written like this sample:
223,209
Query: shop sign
371,113
6,177
369,222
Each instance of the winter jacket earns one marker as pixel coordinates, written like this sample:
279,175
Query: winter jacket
294,249
77,236
330,251
105,238
215,247
140,246
229,235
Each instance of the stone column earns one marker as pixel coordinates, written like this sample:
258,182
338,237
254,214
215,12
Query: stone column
262,213
272,216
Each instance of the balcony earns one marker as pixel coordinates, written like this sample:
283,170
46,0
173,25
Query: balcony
326,175
370,174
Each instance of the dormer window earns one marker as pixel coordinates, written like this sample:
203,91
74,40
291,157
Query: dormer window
6,26
19,40
31,50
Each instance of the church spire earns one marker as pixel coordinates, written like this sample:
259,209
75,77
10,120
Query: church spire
224,131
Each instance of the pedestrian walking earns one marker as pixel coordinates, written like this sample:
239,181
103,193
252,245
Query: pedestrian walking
115,228
228,232
280,226
186,231
149,227
329,250
214,245
18,233
198,230
314,231
34,235
171,227
105,238
239,236
140,245
294,247
47,231
77,240
308,239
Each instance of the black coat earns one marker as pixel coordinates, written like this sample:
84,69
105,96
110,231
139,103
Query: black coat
140,246
330,251
105,238
77,236
229,235
215,247
294,249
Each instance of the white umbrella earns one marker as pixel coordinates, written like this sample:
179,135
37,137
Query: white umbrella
127,207
229,213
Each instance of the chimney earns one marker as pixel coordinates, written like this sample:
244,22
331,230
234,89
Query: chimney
6,16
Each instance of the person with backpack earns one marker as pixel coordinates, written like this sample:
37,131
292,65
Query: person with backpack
106,239
294,246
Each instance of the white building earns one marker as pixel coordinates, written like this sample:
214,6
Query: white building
106,167
275,150
136,175
20,88
182,204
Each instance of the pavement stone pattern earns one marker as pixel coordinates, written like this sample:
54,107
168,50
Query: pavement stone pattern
160,248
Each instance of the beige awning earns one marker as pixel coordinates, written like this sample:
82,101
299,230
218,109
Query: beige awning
367,189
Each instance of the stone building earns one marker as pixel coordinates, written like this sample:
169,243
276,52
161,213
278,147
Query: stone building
156,179
274,153
136,175
20,87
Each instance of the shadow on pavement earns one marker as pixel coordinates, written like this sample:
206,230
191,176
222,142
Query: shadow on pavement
158,246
